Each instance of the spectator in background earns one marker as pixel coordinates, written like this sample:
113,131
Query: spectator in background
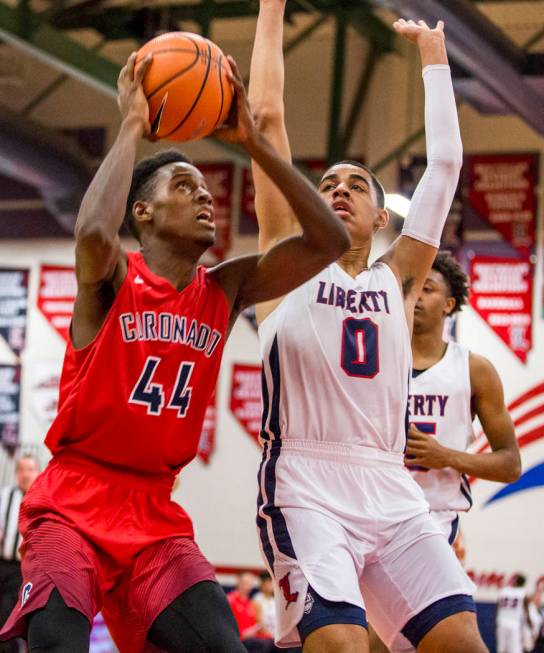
265,607
245,614
26,470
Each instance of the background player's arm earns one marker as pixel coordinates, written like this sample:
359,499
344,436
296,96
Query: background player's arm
100,262
412,254
266,87
291,261
503,462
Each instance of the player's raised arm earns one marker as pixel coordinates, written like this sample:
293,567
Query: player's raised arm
103,206
503,463
266,87
412,254
293,260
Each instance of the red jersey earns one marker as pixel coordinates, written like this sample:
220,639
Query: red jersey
135,397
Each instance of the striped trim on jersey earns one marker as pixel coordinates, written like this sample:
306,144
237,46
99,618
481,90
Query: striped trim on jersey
10,502
270,520
465,490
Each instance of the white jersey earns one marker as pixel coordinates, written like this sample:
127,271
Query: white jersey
336,360
440,404
510,608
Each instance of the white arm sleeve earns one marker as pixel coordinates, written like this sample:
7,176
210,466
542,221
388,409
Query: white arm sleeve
434,194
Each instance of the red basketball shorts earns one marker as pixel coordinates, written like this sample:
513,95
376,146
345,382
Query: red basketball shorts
106,540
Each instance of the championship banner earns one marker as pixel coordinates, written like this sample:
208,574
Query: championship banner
44,396
245,398
56,295
500,189
10,394
219,177
206,444
501,293
13,307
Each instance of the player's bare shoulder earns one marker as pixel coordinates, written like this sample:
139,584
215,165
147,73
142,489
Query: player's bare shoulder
94,300
484,378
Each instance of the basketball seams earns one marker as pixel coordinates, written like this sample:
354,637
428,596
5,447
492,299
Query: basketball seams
220,70
197,99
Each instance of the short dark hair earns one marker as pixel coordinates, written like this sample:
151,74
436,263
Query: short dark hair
454,276
376,183
519,580
143,182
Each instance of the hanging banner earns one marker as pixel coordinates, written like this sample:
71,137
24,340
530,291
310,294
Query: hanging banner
44,396
56,295
245,398
13,307
219,177
248,219
501,293
500,189
206,445
10,394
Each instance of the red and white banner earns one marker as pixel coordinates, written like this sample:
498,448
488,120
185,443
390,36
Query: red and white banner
501,190
219,177
245,398
248,218
206,445
501,293
56,296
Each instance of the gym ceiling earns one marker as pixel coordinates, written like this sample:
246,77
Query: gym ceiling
496,50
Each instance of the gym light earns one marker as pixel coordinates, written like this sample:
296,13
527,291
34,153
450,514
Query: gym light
397,203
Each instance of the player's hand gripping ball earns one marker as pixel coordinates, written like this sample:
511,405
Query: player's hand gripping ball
186,86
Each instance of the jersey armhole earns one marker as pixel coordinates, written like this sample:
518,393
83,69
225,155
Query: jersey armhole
206,273
82,352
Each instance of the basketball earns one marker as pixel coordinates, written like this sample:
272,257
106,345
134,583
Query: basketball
186,86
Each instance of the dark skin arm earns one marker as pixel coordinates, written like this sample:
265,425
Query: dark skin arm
294,260
101,264
503,464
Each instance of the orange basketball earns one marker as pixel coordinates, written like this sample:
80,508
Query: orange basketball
186,86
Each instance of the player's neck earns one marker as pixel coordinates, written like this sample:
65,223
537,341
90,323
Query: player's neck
170,261
355,260
427,348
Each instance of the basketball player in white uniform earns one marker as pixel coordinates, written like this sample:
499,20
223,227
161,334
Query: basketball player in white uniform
449,387
339,516
512,616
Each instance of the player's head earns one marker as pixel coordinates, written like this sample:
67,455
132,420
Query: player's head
444,293
169,198
246,583
265,584
357,196
26,471
519,580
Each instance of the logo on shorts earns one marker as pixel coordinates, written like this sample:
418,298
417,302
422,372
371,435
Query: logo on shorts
285,585
308,603
25,593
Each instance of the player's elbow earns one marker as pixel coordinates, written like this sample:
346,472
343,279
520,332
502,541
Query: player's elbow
511,470
268,115
449,159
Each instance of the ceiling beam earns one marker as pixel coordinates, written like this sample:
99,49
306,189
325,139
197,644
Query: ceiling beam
27,31
485,52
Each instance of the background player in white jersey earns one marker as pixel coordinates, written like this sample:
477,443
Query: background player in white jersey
449,387
512,616
339,514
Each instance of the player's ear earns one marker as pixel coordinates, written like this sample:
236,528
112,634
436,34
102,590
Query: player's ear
449,306
382,219
141,211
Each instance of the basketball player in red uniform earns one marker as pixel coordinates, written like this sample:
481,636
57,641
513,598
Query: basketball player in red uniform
99,529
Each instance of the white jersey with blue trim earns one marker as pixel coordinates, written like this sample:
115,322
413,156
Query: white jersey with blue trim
336,361
440,404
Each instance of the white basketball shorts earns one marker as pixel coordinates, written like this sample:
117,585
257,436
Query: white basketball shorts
351,522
